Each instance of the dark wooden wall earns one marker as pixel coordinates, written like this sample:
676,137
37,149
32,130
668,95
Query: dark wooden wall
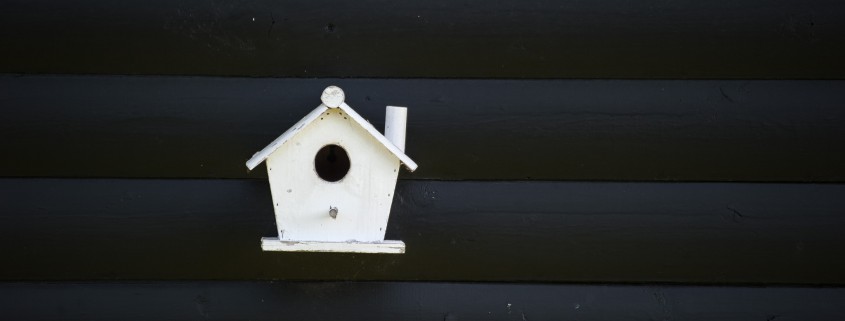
593,160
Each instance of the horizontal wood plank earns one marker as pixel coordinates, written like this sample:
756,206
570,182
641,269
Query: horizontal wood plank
94,126
412,301
722,233
439,38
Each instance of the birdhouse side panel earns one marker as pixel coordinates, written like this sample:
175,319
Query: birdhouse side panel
361,198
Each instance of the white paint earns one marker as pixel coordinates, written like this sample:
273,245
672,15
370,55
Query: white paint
409,163
386,247
287,135
395,124
333,96
313,116
362,199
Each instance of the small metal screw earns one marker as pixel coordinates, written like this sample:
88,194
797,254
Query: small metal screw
333,212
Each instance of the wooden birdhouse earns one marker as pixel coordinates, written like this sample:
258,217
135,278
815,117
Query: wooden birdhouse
332,178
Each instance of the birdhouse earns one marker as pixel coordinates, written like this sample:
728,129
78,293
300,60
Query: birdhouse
332,178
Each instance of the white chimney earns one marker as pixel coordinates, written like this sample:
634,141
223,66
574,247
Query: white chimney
395,123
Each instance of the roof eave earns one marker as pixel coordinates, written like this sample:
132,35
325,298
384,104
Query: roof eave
262,155
409,163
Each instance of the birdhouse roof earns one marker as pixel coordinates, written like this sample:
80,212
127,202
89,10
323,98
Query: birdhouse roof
260,156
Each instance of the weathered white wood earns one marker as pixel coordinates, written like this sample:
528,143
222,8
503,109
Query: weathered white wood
350,212
281,140
386,247
395,123
363,197
409,163
332,96
311,117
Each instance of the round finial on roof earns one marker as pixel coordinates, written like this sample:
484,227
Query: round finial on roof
333,96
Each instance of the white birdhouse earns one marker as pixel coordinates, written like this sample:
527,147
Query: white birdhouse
332,177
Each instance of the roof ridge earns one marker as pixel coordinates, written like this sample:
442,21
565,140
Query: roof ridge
262,155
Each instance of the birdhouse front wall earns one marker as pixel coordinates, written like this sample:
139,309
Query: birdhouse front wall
363,197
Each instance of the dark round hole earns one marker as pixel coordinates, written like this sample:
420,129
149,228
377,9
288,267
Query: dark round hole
331,163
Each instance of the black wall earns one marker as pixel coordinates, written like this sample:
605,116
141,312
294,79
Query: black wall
595,160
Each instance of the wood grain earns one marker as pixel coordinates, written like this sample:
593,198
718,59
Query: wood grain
638,130
713,233
442,38
411,301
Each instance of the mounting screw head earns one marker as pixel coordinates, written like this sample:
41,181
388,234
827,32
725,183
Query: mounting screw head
333,212
333,96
